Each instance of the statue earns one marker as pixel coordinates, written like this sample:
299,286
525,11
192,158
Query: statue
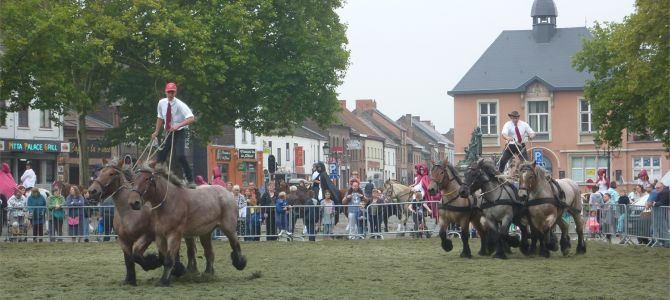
474,149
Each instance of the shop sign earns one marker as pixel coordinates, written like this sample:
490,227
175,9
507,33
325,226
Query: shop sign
34,147
95,149
246,153
222,154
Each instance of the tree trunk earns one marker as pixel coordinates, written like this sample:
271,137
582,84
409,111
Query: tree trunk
83,149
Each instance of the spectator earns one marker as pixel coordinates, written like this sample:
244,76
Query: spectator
88,212
354,178
596,201
200,181
75,220
638,196
281,213
354,199
368,189
592,223
327,214
268,201
28,178
660,213
417,209
653,193
621,210
217,177
229,186
643,178
311,216
107,218
255,218
55,205
37,212
603,181
375,213
242,211
7,187
613,193
17,205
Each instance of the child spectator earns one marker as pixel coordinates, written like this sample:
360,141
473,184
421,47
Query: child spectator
592,223
55,205
17,205
281,212
327,214
37,209
417,208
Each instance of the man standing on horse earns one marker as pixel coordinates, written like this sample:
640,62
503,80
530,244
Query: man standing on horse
175,116
514,132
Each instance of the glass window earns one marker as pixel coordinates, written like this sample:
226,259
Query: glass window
488,118
244,136
23,118
585,116
224,172
586,167
249,173
45,118
538,118
50,168
650,163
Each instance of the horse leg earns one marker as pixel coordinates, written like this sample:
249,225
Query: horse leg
565,238
171,247
446,243
131,277
465,237
147,262
192,264
206,242
579,227
228,228
545,240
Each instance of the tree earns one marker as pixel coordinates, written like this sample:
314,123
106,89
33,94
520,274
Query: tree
259,64
631,85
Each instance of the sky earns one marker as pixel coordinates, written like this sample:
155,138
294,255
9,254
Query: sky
406,54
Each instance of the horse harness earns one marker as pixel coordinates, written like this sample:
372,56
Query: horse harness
472,201
105,186
558,195
152,181
510,201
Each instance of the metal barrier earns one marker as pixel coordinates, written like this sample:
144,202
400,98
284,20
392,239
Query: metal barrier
632,224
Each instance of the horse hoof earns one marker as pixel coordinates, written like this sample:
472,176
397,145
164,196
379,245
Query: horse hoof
581,250
179,269
482,253
130,282
447,245
151,262
239,261
500,256
466,255
161,283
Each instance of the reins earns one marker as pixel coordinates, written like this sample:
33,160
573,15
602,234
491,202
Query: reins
153,181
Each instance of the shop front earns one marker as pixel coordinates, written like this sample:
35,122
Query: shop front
42,155
96,153
238,166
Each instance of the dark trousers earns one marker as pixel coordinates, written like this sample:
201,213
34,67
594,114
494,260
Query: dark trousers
270,227
510,150
56,229
107,226
179,152
38,230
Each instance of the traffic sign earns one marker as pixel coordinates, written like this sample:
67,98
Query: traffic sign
333,176
333,169
539,157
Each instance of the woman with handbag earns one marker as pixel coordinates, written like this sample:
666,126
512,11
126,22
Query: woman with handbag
75,212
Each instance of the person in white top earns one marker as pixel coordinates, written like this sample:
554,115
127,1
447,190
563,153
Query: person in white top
174,116
515,133
28,178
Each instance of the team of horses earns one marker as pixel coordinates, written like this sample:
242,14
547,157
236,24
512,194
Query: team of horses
154,205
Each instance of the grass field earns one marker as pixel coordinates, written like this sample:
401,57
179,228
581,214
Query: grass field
367,269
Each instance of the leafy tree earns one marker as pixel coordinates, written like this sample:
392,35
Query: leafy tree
260,64
631,85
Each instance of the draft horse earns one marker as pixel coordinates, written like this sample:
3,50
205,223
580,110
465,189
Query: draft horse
396,193
134,227
456,209
181,212
546,199
499,204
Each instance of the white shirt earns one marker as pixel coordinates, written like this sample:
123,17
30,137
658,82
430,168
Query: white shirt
524,130
28,178
180,111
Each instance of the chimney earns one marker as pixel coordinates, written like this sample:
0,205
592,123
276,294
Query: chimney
366,104
416,118
343,104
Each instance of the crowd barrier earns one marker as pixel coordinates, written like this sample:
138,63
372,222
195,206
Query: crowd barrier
633,224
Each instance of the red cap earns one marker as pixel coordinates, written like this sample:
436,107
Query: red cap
171,87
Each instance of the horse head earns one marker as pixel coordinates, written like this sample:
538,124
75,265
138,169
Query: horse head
528,179
109,180
144,184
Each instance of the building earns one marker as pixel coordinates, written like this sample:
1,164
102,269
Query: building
31,135
437,146
530,71
97,151
364,111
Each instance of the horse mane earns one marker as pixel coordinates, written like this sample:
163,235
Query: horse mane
489,167
166,174
455,173
114,162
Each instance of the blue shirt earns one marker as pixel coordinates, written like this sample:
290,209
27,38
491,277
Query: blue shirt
37,207
279,206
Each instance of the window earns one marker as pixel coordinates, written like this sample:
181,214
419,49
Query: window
650,163
50,168
248,172
488,115
45,118
224,172
585,167
244,136
538,118
23,118
585,116
3,115
278,161
253,138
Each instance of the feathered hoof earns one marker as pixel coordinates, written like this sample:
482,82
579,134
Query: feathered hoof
239,261
447,245
178,269
150,262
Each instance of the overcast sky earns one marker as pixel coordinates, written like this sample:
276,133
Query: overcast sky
406,54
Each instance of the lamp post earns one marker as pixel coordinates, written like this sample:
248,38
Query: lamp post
326,150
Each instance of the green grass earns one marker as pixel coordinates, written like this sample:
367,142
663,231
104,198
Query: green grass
388,269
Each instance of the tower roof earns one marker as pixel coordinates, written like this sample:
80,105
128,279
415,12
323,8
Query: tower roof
543,8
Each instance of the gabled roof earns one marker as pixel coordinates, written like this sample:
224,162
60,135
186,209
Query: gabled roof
514,60
388,140
70,120
357,126
383,128
432,133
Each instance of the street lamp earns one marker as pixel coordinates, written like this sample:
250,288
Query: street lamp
326,149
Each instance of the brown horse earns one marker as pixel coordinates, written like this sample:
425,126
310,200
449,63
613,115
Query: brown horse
456,209
181,212
546,200
134,227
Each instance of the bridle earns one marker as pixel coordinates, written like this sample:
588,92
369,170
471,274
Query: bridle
445,181
152,182
117,172
501,185
391,194
523,179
